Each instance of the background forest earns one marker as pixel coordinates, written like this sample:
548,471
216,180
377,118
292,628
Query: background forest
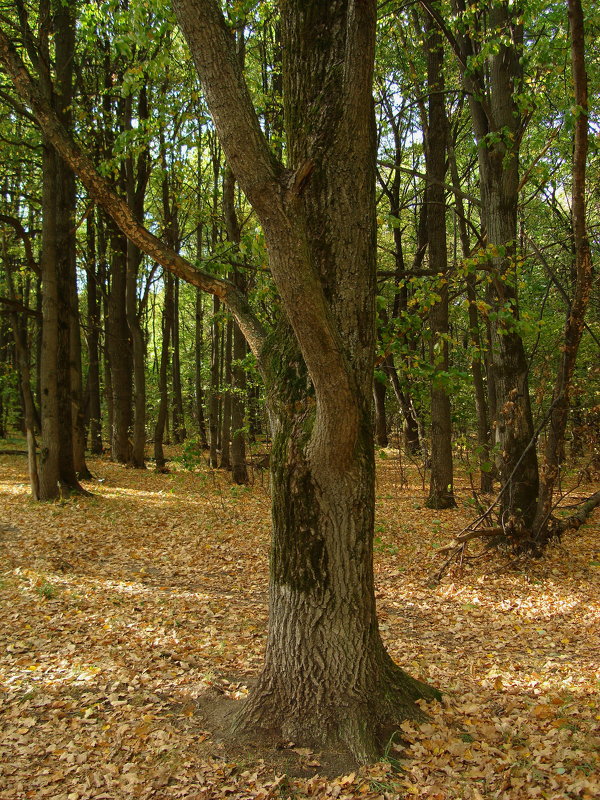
142,357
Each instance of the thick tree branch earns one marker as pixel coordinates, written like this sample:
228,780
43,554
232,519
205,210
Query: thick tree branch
15,306
213,49
101,191
276,196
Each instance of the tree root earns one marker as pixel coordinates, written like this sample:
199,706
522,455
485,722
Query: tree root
361,726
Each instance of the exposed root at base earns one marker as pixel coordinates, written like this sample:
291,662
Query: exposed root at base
360,728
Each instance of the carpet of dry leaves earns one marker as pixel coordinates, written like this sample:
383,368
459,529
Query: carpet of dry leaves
117,612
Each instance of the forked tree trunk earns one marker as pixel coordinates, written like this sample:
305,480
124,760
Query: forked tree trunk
327,677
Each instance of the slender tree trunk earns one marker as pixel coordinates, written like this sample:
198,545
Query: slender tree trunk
138,352
93,341
441,493
412,439
583,283
213,407
381,433
227,392
481,407
103,283
22,357
50,433
179,431
198,354
392,190
239,470
77,392
163,406
118,342
199,324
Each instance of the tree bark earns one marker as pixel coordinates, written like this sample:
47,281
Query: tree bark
93,340
239,469
118,343
381,433
198,357
498,127
163,405
441,493
327,677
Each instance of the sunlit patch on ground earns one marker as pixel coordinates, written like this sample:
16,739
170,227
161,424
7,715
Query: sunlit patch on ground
117,612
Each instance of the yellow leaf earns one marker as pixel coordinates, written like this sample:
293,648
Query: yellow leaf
543,711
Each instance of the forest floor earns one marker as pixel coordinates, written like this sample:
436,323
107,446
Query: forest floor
118,613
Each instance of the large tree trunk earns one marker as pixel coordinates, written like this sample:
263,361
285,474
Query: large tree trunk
318,217
58,204
327,677
71,444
